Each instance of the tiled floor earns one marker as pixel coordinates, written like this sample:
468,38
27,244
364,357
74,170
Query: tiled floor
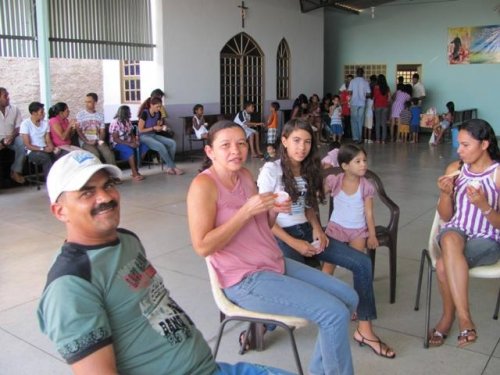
156,210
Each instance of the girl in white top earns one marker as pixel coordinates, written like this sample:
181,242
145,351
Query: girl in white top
352,218
199,125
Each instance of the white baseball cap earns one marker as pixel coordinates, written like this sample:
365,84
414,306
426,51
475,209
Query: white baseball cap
72,171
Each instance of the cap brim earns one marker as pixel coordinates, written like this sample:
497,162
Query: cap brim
79,181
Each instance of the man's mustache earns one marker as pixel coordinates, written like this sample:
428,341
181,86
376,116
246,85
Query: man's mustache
103,207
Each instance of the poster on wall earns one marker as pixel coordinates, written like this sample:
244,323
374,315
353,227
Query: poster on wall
474,45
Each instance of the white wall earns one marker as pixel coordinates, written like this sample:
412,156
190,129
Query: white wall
196,30
416,33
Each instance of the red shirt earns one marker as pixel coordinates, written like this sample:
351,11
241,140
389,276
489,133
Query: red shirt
379,100
344,102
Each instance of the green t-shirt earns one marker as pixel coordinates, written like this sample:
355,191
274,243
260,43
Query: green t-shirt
111,294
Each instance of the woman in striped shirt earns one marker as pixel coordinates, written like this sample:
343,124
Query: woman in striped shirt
469,203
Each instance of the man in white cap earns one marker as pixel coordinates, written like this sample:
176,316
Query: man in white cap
104,305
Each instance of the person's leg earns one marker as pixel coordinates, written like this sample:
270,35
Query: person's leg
360,265
251,143
244,368
171,146
442,328
92,149
457,274
356,136
107,154
305,292
383,123
378,122
151,142
18,147
42,158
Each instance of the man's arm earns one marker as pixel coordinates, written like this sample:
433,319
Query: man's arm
100,362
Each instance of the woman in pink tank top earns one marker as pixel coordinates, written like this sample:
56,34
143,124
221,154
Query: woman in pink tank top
469,203
230,223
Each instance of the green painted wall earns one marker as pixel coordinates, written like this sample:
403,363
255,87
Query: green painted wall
416,32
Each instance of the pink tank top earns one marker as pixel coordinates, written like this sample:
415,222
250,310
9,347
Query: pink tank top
254,247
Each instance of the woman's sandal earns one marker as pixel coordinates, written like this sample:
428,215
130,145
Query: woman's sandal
245,337
381,345
467,337
436,338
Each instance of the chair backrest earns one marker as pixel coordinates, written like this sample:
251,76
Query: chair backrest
433,245
392,226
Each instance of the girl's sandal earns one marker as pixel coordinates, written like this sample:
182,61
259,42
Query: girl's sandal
436,338
381,345
467,337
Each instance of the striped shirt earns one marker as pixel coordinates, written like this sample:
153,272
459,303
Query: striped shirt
467,217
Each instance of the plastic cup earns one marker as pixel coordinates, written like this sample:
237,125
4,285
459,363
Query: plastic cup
100,142
316,244
281,197
475,184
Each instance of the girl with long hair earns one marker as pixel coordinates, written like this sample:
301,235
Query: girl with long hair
299,233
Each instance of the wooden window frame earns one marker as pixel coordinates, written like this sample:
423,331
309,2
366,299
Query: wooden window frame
129,94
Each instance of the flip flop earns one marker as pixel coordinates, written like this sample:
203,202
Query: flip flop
467,337
436,338
178,171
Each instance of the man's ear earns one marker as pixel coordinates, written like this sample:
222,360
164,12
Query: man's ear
59,211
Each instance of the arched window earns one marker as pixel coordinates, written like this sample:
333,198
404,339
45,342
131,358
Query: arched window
283,71
241,73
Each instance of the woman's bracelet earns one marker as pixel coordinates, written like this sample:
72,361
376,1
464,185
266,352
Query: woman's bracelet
487,212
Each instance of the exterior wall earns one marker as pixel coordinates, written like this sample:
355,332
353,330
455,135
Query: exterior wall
71,80
416,33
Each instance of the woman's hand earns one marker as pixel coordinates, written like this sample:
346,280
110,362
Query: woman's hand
446,184
477,197
259,203
319,234
304,248
372,242
282,207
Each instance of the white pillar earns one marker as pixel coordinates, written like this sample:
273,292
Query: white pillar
42,21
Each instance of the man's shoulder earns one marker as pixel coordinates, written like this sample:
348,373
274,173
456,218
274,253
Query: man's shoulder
74,259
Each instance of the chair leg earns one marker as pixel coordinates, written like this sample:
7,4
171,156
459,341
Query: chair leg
430,271
392,271
495,314
294,349
420,274
219,336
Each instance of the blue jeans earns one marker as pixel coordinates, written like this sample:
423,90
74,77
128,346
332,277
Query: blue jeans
381,123
357,121
19,154
308,293
165,147
243,368
344,256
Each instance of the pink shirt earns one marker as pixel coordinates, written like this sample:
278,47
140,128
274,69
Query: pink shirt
56,140
254,247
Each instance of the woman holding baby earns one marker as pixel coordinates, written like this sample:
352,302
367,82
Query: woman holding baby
469,203
234,233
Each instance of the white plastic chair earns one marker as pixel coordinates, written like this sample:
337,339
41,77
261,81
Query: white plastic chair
230,311
430,255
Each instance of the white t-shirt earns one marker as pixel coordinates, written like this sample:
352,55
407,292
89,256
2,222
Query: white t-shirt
418,90
36,133
271,180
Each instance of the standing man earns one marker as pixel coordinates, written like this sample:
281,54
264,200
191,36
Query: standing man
104,305
359,89
92,131
418,91
10,121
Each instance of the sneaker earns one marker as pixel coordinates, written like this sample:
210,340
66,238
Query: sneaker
369,141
